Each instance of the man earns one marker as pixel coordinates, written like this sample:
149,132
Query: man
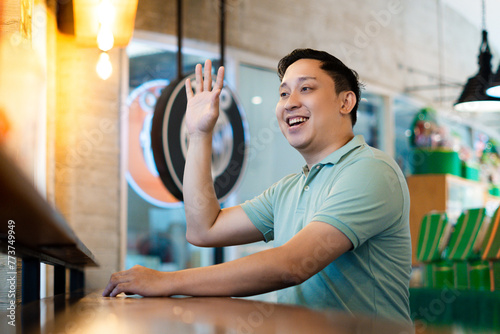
340,226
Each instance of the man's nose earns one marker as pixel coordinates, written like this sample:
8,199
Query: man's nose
293,101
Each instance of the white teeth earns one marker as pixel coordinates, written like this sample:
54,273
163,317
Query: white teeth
296,120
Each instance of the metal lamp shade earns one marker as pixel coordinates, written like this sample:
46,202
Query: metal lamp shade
494,89
474,98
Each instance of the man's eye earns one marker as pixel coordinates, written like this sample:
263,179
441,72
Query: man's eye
306,88
283,94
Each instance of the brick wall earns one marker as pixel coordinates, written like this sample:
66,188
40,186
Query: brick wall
87,153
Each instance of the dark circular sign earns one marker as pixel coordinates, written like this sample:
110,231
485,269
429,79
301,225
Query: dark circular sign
169,140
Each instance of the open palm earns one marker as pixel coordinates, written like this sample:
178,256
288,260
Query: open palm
203,106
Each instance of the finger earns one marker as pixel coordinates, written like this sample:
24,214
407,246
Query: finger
122,287
220,78
199,78
106,291
189,89
215,96
208,75
110,287
114,280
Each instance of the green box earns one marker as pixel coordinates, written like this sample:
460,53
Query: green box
435,161
494,275
460,275
479,275
430,239
471,171
427,275
494,190
438,275
490,248
460,247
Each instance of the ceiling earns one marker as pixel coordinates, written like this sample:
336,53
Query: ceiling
472,11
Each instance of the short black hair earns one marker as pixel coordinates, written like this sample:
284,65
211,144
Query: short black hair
344,78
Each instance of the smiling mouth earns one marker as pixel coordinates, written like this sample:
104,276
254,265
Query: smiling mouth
296,121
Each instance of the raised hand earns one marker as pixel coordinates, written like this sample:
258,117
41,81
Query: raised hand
203,107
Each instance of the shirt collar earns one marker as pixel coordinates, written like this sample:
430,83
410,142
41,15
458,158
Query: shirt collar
335,157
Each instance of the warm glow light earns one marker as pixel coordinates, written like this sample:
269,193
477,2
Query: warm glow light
106,13
91,15
493,91
104,67
106,17
105,39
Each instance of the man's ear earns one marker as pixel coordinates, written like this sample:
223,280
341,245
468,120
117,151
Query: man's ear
348,100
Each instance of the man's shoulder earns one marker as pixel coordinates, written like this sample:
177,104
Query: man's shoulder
369,156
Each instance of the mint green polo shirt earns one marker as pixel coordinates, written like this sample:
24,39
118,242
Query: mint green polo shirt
362,192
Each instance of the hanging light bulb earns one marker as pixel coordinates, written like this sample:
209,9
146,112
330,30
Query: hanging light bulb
105,39
104,67
106,16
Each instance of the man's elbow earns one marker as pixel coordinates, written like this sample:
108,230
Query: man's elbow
194,239
291,279
197,239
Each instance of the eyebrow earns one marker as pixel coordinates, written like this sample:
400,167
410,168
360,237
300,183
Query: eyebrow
301,79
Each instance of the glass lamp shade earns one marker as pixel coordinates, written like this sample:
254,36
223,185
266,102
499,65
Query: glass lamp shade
120,17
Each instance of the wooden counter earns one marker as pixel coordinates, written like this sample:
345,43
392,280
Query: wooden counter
31,229
95,314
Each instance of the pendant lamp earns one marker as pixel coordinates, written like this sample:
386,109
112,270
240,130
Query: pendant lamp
104,24
494,89
474,97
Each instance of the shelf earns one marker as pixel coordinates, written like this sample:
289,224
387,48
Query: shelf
441,192
40,231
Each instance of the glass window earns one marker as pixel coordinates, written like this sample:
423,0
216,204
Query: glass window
369,118
404,113
156,221
270,157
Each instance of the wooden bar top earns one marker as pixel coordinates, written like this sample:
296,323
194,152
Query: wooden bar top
95,314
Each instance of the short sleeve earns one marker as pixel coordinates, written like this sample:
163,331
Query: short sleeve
366,200
260,212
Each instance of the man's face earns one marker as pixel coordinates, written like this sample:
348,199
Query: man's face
308,111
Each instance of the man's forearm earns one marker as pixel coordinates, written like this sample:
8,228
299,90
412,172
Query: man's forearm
254,274
200,200
308,252
258,273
